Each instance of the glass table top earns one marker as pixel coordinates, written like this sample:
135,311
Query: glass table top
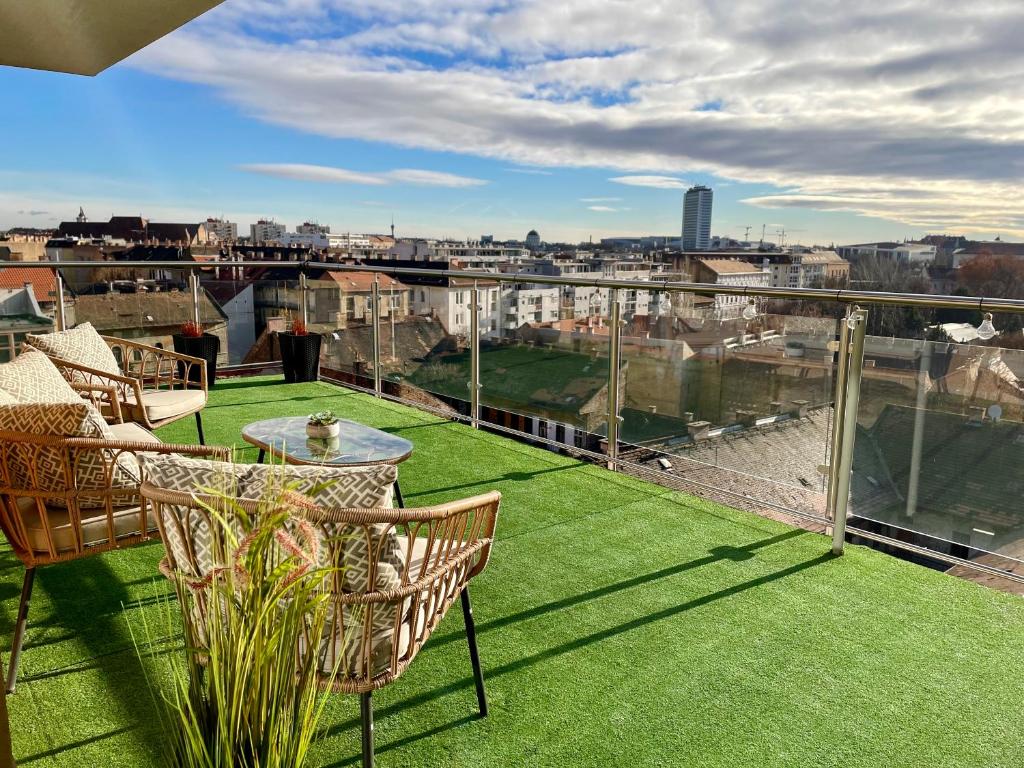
357,443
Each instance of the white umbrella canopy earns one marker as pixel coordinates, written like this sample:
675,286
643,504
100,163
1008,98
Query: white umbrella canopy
84,37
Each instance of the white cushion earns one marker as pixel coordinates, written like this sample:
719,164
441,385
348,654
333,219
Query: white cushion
81,345
32,378
167,403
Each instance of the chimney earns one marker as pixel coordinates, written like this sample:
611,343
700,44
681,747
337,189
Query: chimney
746,418
802,407
698,430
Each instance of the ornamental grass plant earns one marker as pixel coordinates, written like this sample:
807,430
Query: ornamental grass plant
245,692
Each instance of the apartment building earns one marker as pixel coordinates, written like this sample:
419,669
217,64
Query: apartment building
222,230
267,230
730,272
809,269
908,254
470,254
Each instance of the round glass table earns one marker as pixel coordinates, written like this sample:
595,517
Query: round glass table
357,444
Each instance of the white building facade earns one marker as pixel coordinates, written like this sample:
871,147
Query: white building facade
267,230
222,230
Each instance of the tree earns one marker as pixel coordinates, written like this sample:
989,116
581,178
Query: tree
874,274
995,277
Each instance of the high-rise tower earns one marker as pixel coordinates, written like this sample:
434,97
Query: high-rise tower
697,218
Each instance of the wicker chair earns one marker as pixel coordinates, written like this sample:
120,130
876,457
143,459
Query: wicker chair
441,549
155,387
50,519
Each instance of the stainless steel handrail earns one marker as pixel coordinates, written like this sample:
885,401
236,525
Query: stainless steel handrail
981,303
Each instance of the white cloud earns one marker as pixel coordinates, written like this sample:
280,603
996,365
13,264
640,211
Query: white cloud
853,104
602,208
329,174
600,199
528,171
658,182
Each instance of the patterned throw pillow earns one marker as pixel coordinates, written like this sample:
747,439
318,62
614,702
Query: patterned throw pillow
81,345
32,378
41,468
371,558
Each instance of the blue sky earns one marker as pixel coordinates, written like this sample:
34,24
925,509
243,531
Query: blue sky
476,117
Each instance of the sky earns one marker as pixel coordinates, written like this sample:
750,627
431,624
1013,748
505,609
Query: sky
837,121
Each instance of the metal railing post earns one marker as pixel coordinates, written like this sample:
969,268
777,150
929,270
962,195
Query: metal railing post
474,356
917,446
842,372
193,284
858,318
375,301
61,318
614,357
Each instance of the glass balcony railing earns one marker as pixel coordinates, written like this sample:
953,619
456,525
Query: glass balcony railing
775,399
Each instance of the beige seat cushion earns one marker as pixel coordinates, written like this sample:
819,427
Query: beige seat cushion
168,403
32,378
81,345
127,522
132,432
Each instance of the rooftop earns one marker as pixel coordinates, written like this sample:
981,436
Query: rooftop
44,281
619,623
729,266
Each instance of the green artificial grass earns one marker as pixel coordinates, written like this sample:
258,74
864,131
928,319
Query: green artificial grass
620,624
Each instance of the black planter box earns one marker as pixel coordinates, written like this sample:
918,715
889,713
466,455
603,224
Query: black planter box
300,356
205,347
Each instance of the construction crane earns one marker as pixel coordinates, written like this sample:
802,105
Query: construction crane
746,234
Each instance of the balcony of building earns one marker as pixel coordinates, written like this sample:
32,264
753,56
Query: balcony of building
620,623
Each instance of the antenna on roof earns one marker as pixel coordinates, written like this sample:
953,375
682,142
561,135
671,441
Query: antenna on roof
392,226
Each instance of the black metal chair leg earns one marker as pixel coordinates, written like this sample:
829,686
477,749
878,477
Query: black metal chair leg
366,713
399,501
19,628
199,427
474,655
261,457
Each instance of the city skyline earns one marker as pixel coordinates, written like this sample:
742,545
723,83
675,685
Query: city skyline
475,117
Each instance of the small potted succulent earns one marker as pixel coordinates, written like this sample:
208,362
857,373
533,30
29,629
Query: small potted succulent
191,340
300,353
323,425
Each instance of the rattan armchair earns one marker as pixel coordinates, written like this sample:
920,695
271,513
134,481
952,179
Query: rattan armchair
156,386
51,519
442,548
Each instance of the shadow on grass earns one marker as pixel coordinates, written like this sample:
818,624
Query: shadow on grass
730,553
74,745
735,554
513,477
87,598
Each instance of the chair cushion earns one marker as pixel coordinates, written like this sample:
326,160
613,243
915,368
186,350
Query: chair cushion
81,345
168,403
95,529
132,432
42,468
370,557
32,378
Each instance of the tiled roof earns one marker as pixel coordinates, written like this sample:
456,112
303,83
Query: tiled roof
362,282
728,266
44,281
